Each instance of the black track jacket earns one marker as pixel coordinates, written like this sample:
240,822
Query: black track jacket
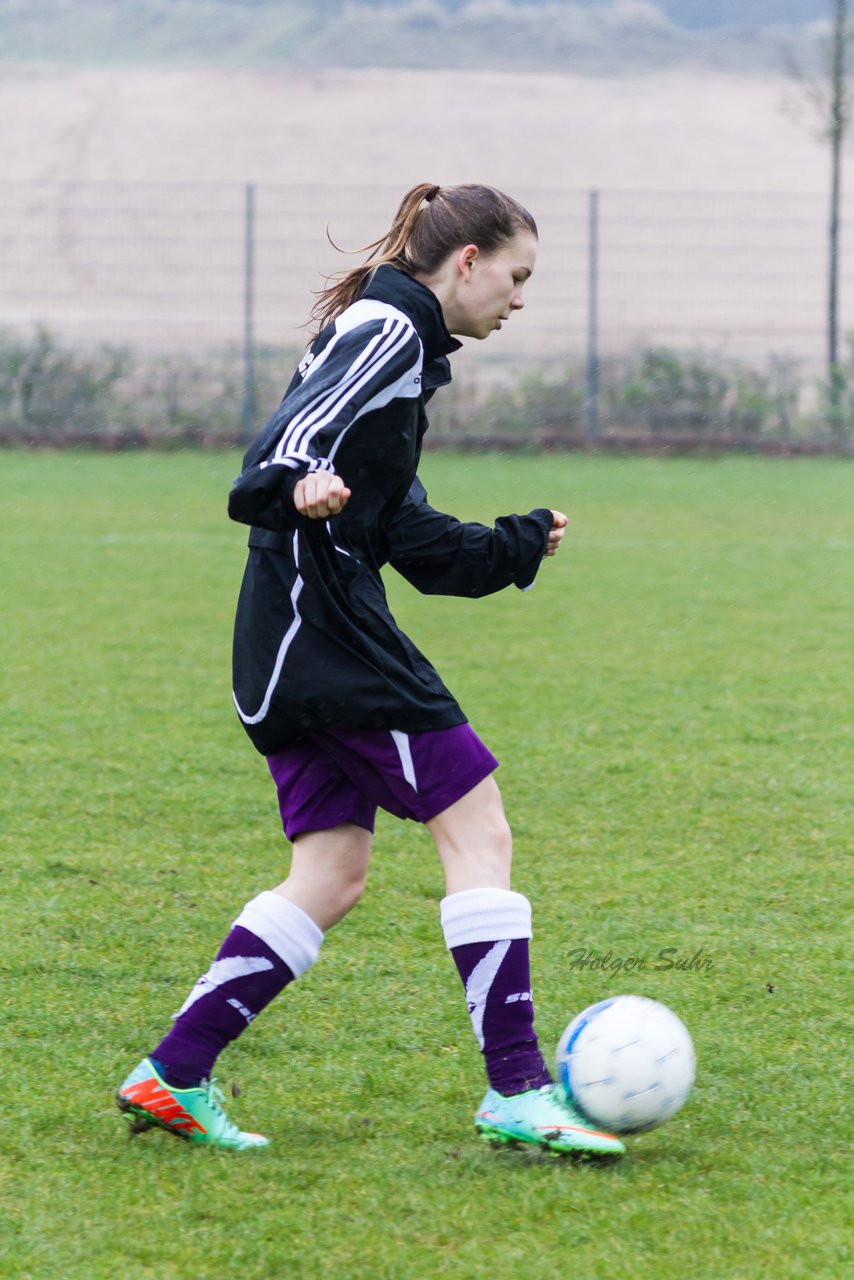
315,644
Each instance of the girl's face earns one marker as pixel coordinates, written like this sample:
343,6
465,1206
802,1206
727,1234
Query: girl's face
489,286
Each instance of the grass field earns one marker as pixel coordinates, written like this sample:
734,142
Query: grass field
672,706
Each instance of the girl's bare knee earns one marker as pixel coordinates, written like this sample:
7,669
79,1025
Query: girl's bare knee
351,885
328,873
474,840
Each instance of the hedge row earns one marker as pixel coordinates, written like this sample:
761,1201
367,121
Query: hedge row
115,397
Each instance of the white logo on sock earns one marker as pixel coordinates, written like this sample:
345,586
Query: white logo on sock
241,1008
520,995
224,971
480,983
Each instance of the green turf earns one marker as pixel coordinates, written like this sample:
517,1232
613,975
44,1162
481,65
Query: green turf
672,707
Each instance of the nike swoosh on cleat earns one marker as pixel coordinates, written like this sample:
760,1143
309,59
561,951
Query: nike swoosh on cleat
160,1104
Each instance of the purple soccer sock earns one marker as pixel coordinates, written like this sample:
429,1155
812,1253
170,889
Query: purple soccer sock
487,932
271,943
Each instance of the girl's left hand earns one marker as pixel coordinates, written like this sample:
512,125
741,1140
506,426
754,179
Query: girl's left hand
559,523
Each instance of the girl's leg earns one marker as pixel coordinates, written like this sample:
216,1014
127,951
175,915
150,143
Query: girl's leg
328,872
487,929
275,938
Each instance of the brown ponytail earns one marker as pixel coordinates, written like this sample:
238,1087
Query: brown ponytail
431,222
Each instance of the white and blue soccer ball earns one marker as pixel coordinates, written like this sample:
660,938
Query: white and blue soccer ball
627,1063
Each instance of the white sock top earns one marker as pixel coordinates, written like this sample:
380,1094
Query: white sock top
485,915
285,928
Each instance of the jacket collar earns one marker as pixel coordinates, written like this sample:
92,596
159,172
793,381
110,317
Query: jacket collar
420,304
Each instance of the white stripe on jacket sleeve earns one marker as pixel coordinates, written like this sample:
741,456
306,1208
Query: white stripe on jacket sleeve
352,386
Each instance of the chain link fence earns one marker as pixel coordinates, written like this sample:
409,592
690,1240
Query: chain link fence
137,311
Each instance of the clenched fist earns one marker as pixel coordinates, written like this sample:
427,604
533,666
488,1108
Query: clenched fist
559,523
320,494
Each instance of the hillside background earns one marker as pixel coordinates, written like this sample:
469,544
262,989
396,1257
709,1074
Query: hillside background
587,35
679,94
132,130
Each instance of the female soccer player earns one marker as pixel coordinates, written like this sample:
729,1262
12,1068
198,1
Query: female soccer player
348,713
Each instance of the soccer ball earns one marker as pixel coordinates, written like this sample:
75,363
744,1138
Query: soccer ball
626,1063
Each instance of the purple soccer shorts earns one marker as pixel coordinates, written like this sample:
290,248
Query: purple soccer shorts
332,776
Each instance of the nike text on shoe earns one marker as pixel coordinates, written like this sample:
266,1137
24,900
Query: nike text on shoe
543,1117
195,1114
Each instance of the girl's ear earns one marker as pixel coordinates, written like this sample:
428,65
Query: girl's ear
465,260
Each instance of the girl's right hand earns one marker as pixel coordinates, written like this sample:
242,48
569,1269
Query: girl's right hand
320,495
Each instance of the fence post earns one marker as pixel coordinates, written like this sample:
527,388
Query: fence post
248,412
591,402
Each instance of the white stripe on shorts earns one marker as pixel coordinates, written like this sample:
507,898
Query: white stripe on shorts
401,741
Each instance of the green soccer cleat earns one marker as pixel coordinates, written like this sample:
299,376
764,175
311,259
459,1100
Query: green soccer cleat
544,1118
195,1114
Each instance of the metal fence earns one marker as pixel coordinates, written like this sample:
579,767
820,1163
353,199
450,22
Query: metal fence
190,268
